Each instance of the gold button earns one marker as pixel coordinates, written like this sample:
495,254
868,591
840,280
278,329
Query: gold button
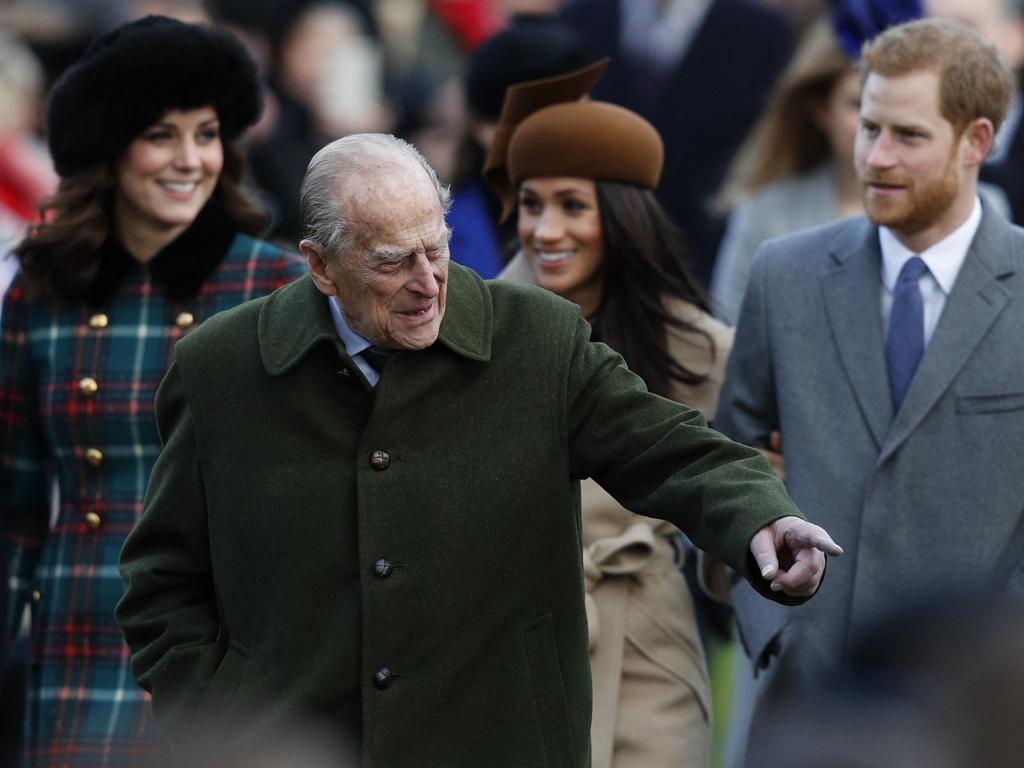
36,596
94,456
88,386
99,321
185,319
93,520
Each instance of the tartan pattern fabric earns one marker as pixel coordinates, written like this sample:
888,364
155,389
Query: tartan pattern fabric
84,708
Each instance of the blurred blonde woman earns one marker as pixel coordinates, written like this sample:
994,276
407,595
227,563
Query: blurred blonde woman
795,170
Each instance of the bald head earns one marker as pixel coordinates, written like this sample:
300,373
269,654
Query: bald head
359,175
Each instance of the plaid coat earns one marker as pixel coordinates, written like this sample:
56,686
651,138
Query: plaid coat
76,403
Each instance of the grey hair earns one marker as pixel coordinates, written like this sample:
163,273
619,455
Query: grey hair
324,218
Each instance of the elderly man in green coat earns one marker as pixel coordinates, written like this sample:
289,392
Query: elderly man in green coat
363,532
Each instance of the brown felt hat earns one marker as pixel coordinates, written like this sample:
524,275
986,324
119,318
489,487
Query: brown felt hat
546,130
588,139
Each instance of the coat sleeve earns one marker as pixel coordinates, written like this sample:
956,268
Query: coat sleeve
747,406
25,476
168,613
659,458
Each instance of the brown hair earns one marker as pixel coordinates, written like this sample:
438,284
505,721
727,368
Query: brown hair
61,255
973,80
787,141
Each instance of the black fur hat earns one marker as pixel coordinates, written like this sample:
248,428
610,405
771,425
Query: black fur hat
130,77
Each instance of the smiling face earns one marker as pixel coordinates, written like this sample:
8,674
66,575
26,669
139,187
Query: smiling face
392,285
919,175
560,231
166,176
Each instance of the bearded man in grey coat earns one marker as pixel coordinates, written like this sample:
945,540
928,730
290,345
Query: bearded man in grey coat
886,350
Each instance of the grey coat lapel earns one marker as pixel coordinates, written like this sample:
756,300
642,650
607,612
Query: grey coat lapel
973,305
851,293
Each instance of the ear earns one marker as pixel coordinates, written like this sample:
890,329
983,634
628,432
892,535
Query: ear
976,141
317,263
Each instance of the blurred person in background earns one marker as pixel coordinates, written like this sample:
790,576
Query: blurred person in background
531,47
701,71
582,174
795,170
1001,22
326,73
149,233
935,683
26,172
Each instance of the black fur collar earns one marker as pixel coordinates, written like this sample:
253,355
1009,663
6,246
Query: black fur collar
180,268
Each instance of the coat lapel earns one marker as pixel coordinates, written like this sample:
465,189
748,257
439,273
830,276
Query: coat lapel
851,298
973,305
293,320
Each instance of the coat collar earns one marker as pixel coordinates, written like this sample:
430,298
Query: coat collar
296,318
180,268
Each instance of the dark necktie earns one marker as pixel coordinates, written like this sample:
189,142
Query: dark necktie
904,345
377,357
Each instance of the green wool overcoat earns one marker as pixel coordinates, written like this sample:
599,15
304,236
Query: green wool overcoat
400,568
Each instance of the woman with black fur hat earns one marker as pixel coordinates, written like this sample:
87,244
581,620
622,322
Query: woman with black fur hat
149,234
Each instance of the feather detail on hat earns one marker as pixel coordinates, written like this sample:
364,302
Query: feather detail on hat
857,21
521,101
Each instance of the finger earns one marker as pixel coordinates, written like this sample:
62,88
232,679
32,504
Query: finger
775,441
805,572
801,534
762,547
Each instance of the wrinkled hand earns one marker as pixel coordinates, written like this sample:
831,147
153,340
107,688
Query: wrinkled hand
774,454
791,554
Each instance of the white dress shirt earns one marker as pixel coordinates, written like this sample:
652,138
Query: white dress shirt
943,260
354,343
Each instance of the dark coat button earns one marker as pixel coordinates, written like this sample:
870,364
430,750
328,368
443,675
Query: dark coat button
382,678
380,459
382,568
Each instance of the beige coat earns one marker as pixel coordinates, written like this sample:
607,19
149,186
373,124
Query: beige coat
651,693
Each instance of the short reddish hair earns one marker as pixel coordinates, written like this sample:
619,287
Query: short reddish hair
973,80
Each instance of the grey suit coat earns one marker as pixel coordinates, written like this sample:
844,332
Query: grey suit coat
932,497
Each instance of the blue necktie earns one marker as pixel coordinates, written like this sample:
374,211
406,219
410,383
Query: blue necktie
377,357
904,344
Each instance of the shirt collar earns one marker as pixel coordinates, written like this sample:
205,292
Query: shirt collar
354,343
943,259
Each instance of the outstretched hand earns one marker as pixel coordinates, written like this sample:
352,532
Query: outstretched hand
790,553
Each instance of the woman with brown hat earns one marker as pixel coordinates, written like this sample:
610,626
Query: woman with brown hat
581,175
149,234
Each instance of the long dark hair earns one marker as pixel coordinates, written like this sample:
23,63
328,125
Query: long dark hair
644,263
61,255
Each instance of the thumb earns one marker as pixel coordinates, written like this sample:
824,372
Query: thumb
762,547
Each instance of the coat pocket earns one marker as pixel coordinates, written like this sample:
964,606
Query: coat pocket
549,691
220,700
995,403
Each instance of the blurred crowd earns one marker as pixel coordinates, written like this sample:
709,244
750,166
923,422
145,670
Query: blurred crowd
421,69
756,102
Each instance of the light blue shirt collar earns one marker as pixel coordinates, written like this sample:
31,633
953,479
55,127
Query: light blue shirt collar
354,343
